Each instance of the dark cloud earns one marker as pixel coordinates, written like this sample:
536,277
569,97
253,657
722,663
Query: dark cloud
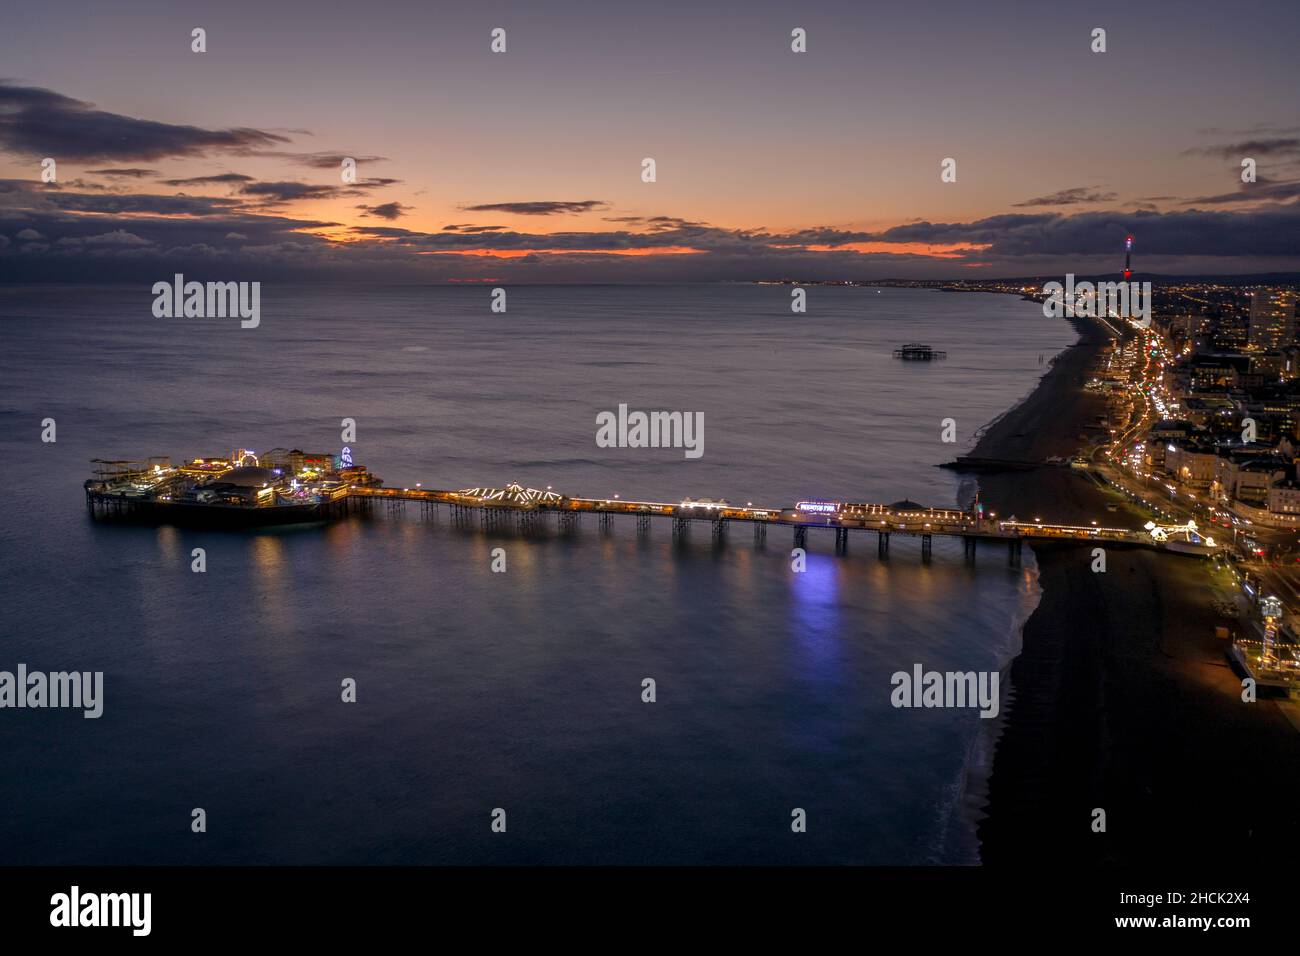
596,242
83,184
156,244
40,122
1199,233
279,193
656,222
388,210
318,160
118,237
1260,129
467,227
282,192
1071,197
1262,190
217,179
131,173
21,194
334,160
1278,147
540,208
384,232
81,236
1271,230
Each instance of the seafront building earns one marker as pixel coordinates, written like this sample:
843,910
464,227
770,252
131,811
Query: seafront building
1232,395
1272,318
1202,429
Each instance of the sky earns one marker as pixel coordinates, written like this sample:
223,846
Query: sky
526,165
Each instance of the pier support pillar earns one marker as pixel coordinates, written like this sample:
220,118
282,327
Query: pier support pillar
926,546
882,545
841,540
643,524
760,532
800,537
494,519
968,546
719,529
606,522
1013,552
681,527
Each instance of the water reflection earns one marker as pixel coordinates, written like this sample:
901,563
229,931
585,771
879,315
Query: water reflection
815,619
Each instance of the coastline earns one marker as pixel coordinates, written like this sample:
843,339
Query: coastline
1120,697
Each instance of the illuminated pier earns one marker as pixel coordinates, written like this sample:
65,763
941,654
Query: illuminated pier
497,507
293,487
917,352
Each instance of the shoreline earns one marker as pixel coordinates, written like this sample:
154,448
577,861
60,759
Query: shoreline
1121,698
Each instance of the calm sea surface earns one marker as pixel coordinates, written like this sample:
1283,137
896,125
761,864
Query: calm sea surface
520,690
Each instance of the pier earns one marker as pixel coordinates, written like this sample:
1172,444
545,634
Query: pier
916,352
246,490
525,510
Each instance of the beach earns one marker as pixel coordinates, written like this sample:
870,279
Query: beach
1121,698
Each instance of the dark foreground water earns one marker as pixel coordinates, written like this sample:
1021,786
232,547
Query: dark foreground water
522,690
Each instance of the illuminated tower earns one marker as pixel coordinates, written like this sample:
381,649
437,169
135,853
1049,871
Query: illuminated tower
1128,254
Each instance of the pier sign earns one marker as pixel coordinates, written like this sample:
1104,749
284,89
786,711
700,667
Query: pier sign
818,507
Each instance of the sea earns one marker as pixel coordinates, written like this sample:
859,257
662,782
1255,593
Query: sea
512,697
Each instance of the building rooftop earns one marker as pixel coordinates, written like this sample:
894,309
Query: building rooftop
249,477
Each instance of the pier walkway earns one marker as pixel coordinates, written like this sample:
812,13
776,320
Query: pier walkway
212,492
528,508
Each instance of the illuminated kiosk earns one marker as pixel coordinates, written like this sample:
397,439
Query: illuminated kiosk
1190,542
